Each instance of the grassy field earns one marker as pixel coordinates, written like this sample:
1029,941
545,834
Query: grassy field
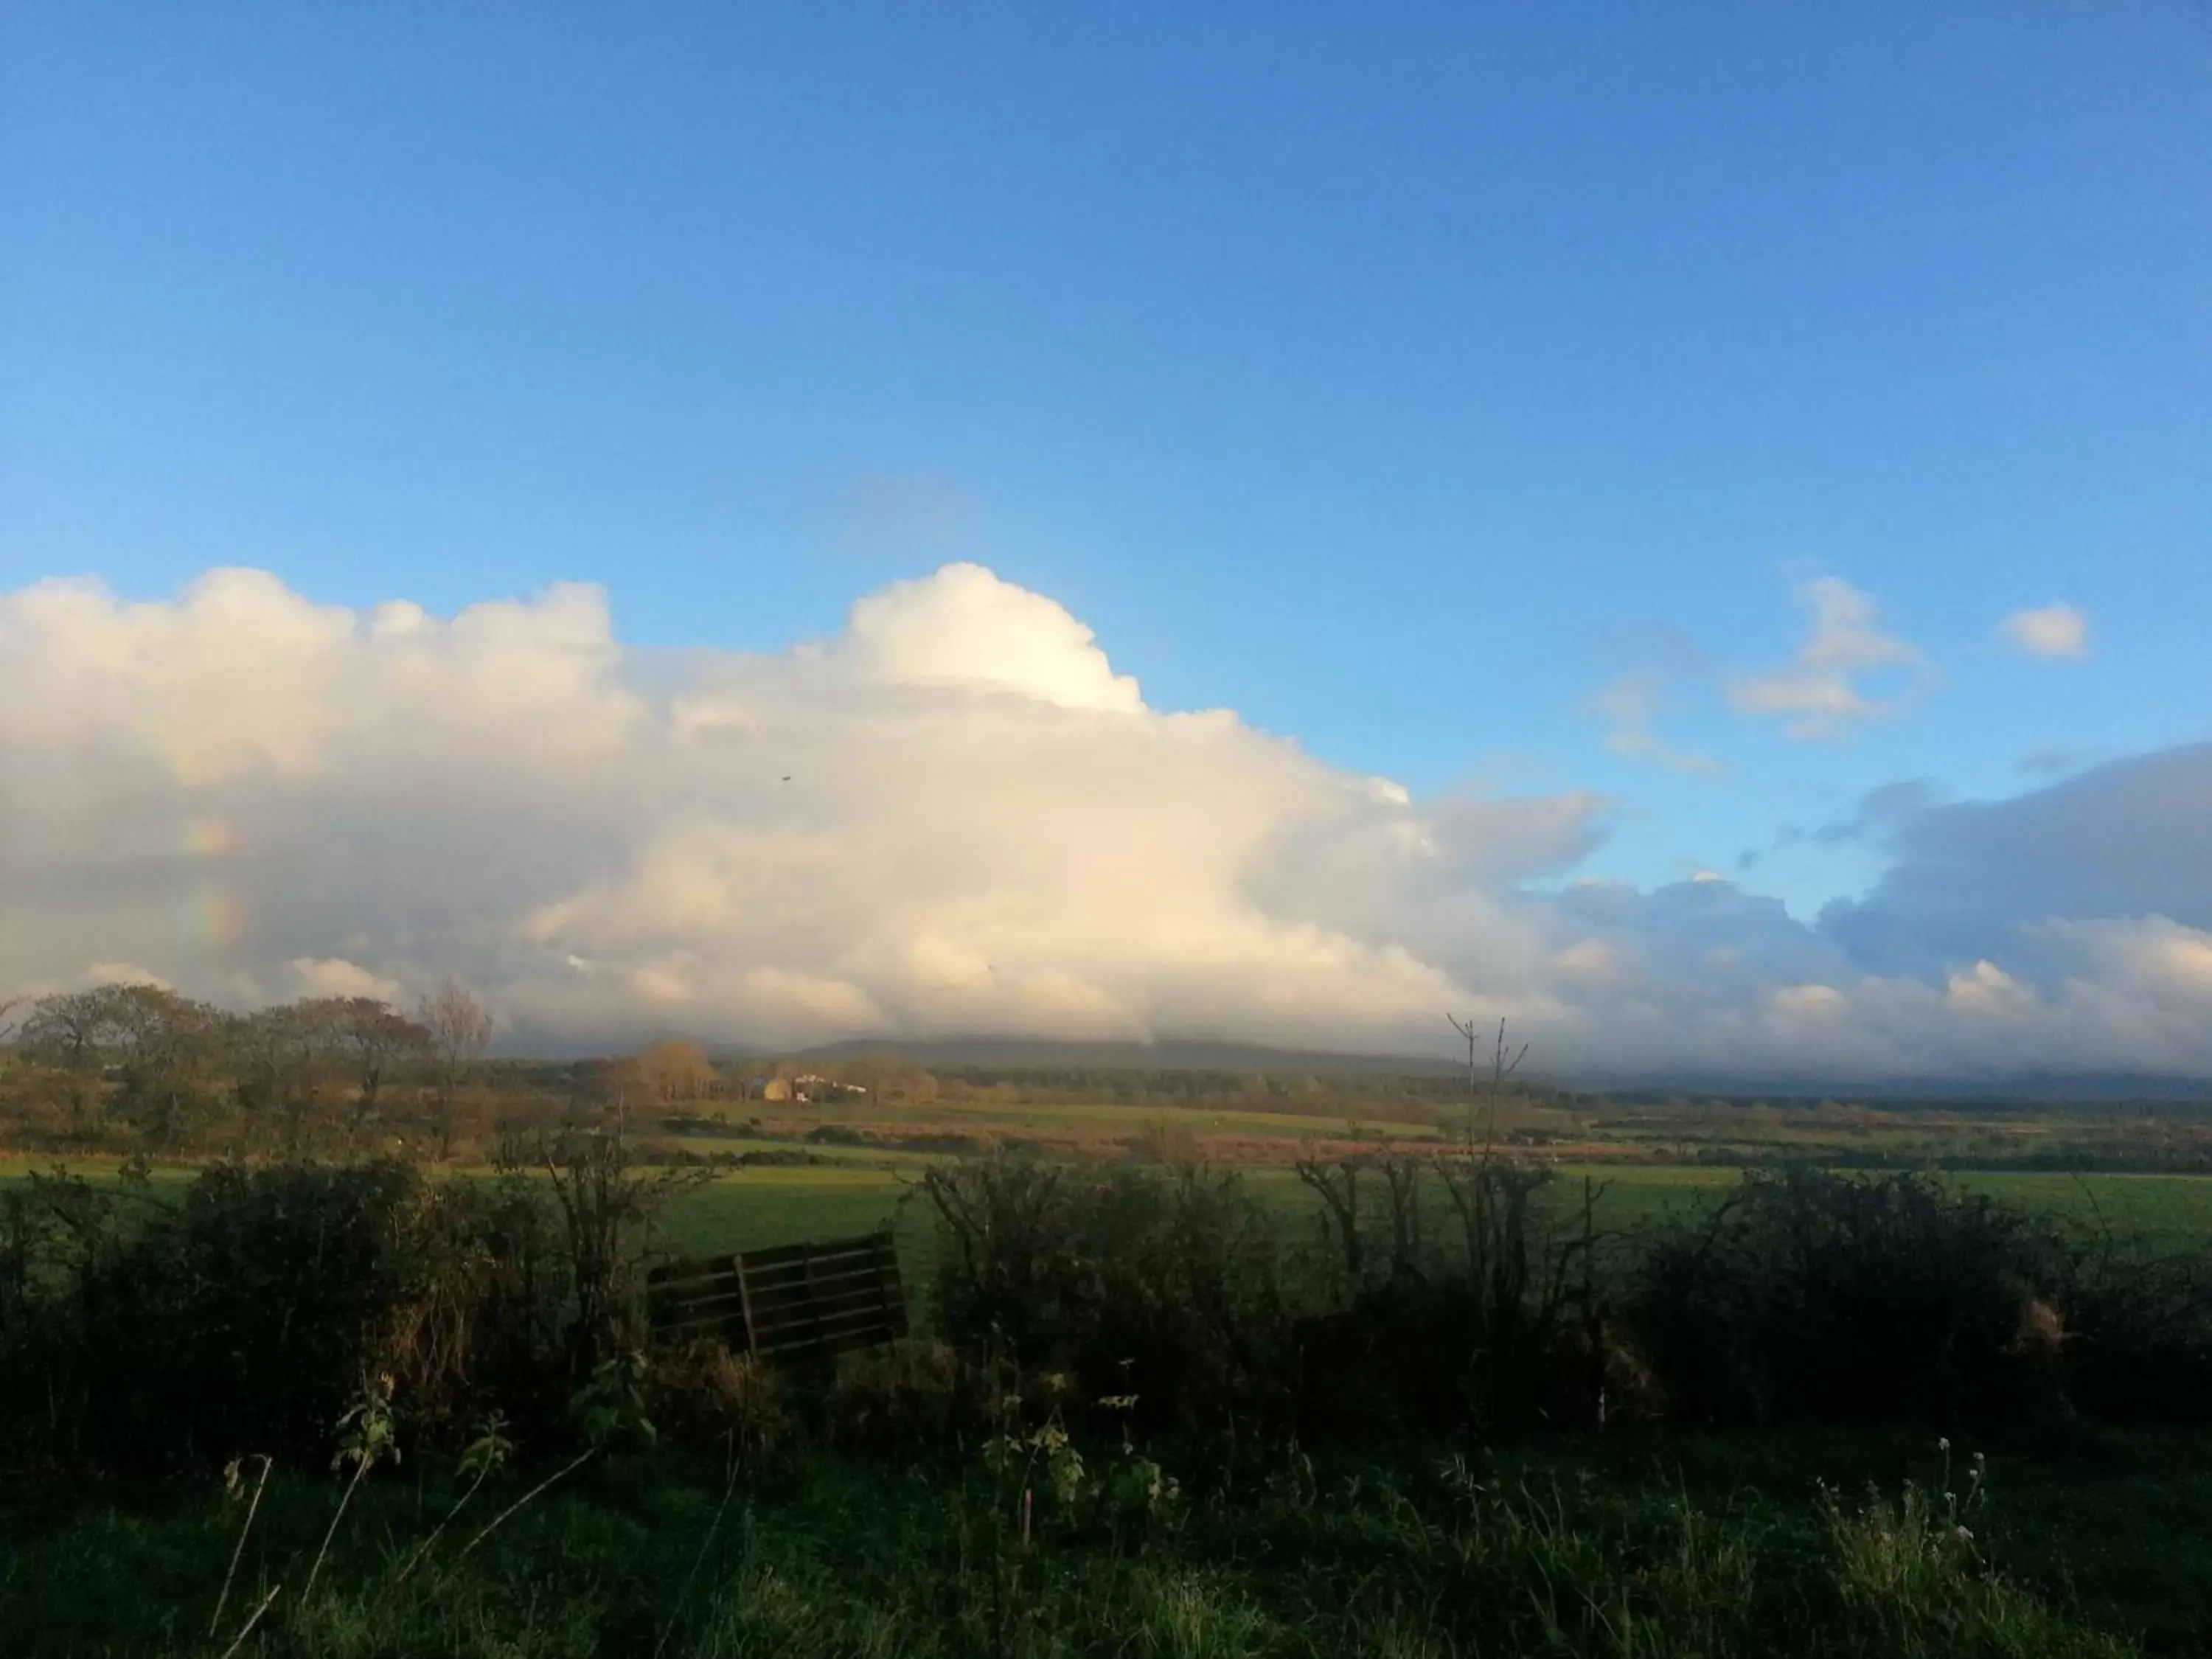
1651,1160
859,1189
749,1208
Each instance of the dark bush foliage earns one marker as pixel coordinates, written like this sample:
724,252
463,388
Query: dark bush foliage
140,1334
1451,1296
240,1319
2137,1336
1456,1305
1165,1284
1466,1295
1463,1298
1851,1298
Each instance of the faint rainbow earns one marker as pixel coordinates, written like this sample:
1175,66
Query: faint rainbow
213,914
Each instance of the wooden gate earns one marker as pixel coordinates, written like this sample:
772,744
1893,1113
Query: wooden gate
793,1302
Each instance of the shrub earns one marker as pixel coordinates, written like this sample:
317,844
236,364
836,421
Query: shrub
2135,1334
1450,1301
1162,1284
1860,1297
703,1394
143,1336
485,1330
242,1320
913,1396
604,1205
1462,1299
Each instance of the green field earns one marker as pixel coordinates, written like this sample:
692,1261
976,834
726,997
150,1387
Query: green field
857,1190
751,1207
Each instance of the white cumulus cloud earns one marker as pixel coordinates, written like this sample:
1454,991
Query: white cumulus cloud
954,817
2059,631
334,976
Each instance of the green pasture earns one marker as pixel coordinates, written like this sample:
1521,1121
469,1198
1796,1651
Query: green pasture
750,1207
2165,1209
999,1120
856,1190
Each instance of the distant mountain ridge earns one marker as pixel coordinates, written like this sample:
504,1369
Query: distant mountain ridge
2027,1088
1197,1054
1174,1054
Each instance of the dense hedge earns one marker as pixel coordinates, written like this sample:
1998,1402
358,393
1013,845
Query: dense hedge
1453,1296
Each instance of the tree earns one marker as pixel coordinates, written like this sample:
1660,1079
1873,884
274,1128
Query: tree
67,1030
161,1047
459,1028
302,1056
1500,1069
377,1039
670,1071
286,1058
172,1054
12,1096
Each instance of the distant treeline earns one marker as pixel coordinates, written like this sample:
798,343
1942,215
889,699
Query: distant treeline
1331,1094
137,1067
135,1064
129,1068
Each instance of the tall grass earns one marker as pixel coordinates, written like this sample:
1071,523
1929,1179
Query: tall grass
836,1559
1106,1444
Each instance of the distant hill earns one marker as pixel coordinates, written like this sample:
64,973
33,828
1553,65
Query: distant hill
1186,1055
2025,1089
1173,1055
2028,1090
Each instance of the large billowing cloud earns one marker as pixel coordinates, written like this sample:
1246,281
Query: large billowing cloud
954,817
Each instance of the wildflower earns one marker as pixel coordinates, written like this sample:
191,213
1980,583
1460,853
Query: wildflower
1944,1444
1964,1534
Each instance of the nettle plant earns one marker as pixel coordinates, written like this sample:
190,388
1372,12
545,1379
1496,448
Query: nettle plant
1042,1468
368,1437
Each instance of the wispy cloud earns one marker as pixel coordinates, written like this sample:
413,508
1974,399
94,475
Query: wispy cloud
2053,761
2057,631
1822,692
1630,707
1881,813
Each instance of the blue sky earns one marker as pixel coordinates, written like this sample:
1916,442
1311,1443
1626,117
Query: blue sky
1400,378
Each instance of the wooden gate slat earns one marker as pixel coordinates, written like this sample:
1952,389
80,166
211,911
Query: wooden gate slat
788,1302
